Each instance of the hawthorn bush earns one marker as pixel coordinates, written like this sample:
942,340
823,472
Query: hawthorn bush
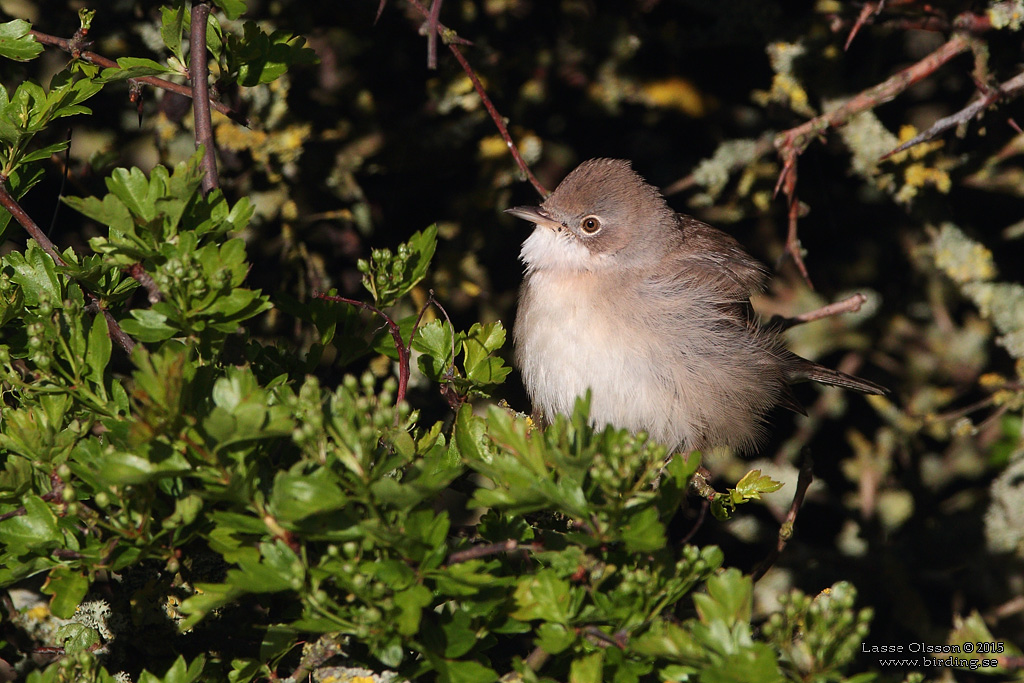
212,472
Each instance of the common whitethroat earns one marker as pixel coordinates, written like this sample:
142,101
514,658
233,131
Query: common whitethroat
650,311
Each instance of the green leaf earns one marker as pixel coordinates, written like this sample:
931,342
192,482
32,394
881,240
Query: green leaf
135,190
753,484
436,341
411,603
148,325
543,596
133,67
17,43
554,638
68,588
37,527
36,272
99,347
478,346
587,669
729,599
463,671
178,672
171,22
262,58
297,495
77,637
231,8
643,531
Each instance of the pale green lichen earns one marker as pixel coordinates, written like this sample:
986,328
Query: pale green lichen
713,173
960,257
868,140
970,264
1003,304
1004,519
1006,14
96,615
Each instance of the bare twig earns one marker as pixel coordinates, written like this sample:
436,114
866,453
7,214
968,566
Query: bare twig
100,60
701,516
449,37
1009,88
619,640
9,203
865,13
479,551
396,334
786,530
850,304
199,73
435,12
140,275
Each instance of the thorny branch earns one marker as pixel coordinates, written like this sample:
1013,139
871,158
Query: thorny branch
93,58
1009,88
449,37
791,143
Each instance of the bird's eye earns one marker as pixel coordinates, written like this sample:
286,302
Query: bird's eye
590,224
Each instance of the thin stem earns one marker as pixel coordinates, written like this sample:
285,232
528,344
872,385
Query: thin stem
100,60
34,231
850,304
499,121
199,74
396,334
786,530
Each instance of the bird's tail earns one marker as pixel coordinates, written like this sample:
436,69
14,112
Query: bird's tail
819,373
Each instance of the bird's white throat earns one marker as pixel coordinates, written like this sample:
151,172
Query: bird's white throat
546,249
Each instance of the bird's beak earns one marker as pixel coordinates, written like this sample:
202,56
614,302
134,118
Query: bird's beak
537,215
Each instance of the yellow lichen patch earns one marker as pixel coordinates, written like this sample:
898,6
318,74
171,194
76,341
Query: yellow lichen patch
492,147
39,612
907,133
920,175
674,93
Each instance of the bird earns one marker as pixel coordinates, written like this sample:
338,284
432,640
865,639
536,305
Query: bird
649,311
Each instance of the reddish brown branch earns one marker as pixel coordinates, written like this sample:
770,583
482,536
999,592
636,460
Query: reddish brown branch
100,60
870,8
791,143
799,138
435,12
34,231
199,74
140,275
396,334
448,36
479,551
